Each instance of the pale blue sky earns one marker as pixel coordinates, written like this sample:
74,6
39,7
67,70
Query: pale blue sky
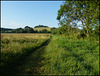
15,14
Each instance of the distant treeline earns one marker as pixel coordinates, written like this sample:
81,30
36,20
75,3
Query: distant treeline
5,29
40,26
26,29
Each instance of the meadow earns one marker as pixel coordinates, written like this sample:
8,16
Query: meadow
15,47
61,55
70,56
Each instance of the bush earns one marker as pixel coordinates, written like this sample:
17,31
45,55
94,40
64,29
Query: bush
81,35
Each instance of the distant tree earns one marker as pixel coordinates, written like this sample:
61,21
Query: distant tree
13,31
54,30
27,27
36,31
40,26
19,30
31,30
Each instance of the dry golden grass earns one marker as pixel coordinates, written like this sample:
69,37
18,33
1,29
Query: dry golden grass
25,35
41,28
17,45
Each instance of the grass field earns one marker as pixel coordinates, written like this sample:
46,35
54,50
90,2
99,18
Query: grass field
66,56
61,55
17,46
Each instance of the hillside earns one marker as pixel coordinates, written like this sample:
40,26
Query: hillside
41,28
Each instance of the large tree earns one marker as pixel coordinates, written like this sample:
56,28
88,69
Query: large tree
85,11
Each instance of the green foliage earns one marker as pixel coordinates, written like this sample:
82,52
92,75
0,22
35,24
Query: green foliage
81,35
61,30
85,11
65,56
54,31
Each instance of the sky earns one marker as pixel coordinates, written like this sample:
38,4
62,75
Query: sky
15,14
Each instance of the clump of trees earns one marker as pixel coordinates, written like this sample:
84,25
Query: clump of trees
40,26
72,12
26,29
53,30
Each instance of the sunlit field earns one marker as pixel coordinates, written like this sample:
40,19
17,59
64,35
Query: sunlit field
17,46
61,55
68,56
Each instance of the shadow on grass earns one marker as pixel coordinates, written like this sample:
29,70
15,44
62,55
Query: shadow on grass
28,64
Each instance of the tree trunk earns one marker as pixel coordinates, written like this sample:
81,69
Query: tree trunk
87,33
87,28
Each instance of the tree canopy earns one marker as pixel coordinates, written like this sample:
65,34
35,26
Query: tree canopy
87,12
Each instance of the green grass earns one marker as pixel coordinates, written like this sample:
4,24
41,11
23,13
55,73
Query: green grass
64,56
15,47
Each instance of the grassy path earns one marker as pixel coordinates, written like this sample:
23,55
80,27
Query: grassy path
30,65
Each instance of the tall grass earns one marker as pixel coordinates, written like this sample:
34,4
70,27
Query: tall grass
15,47
62,56
67,56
